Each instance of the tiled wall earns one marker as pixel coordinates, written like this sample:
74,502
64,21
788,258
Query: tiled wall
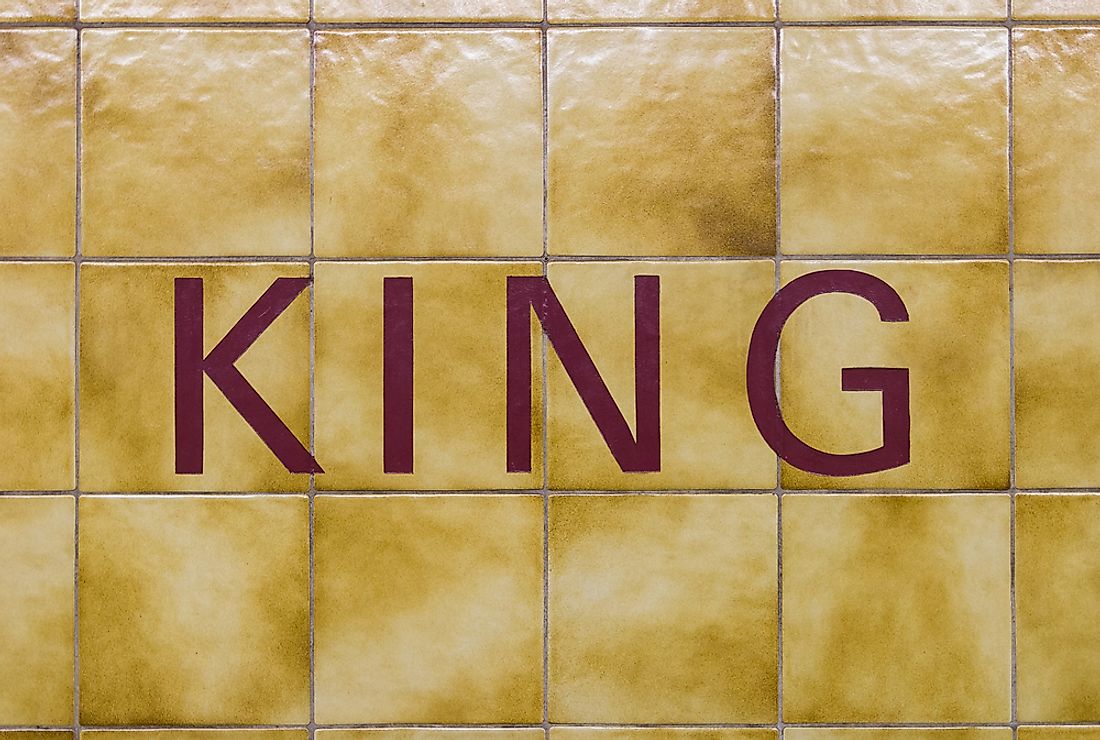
949,147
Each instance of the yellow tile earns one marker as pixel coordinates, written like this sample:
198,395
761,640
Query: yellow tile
663,609
956,347
896,609
660,10
36,613
422,10
440,733
37,384
38,142
894,141
1057,363
193,735
194,610
459,362
1055,9
429,609
36,735
662,141
38,10
127,378
1056,78
826,10
196,142
875,733
1057,594
429,143
708,437
194,10
646,733
1059,733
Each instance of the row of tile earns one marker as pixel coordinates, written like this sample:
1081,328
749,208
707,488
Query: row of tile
661,609
582,733
660,142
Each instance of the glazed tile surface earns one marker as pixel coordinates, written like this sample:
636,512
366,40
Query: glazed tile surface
424,10
194,10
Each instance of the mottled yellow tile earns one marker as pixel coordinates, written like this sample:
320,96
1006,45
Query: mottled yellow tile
127,378
194,610
236,734
38,10
896,608
428,609
1057,595
894,141
37,383
434,733
864,10
660,10
1057,364
648,733
425,10
194,10
1056,82
429,143
36,612
196,142
708,437
1058,733
38,142
898,733
459,380
1056,9
36,735
663,609
956,347
662,141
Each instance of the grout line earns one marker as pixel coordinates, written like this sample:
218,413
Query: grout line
544,76
78,249
777,378
1011,71
312,368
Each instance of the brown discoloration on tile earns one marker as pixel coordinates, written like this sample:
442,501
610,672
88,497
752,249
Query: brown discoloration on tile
925,733
956,346
37,385
896,609
1057,596
459,362
38,10
650,733
195,10
194,610
429,609
127,363
708,437
662,141
36,613
663,609
1056,9
1056,82
435,733
825,10
194,735
196,142
38,142
424,10
429,143
895,141
660,10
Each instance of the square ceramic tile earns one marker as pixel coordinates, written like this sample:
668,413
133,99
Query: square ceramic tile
434,733
194,10
707,312
662,141
194,611
886,10
956,348
660,10
468,182
128,378
1057,362
428,609
1055,9
38,10
1056,81
36,613
196,142
929,733
894,140
37,383
330,11
458,369
652,733
38,142
1057,594
896,609
663,609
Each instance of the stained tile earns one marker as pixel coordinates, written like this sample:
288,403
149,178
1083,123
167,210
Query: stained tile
662,141
896,609
36,613
37,384
1055,9
429,143
876,733
663,609
428,609
424,10
1058,733
127,378
38,142
196,142
38,10
1056,80
194,610
1057,594
194,10
857,10
178,734
646,733
956,347
708,437
894,141
36,735
660,10
459,383
434,733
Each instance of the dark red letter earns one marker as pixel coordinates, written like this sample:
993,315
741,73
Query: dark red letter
892,382
219,367
527,293
397,375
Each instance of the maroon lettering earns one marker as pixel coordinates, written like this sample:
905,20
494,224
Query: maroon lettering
397,375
